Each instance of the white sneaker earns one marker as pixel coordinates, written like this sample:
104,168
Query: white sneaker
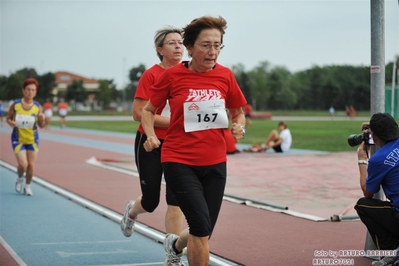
127,224
388,261
28,191
18,184
172,259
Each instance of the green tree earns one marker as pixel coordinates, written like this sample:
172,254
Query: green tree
76,91
134,77
389,70
11,87
243,81
257,86
300,84
278,85
27,73
3,88
14,85
349,85
105,92
46,85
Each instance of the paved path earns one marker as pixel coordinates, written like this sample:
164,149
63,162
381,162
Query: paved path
308,183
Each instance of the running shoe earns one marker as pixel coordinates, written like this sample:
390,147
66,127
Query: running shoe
172,259
18,184
388,261
28,191
127,224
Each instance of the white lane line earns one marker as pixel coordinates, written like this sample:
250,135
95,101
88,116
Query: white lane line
149,232
63,254
12,252
135,264
82,242
93,161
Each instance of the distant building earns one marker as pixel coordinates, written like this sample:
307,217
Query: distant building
63,79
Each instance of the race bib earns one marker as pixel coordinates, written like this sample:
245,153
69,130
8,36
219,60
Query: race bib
25,121
205,115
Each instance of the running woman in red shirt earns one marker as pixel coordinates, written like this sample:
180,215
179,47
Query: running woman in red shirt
48,111
194,150
169,47
62,112
248,114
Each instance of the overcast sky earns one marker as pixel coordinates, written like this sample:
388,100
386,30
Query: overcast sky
105,39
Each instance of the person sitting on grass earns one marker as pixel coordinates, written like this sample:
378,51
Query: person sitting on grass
278,142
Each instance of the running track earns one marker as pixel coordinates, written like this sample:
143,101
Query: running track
244,234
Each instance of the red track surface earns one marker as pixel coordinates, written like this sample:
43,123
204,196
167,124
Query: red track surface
320,185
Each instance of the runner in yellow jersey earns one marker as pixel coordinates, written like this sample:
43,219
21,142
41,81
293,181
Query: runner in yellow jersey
24,116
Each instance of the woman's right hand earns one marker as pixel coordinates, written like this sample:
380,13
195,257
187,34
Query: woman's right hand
151,143
12,123
363,151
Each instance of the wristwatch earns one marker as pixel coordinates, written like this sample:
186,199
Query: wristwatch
243,131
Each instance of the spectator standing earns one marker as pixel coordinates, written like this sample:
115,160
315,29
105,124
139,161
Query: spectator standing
331,111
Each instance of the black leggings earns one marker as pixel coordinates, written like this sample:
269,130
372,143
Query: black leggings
381,220
150,172
199,191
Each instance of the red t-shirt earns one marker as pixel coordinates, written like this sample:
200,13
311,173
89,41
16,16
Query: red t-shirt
62,105
247,109
47,106
179,85
143,92
230,141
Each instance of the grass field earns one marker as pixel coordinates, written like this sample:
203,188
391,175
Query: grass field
274,112
329,135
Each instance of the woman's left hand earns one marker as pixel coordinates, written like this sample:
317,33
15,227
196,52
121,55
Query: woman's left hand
238,131
41,118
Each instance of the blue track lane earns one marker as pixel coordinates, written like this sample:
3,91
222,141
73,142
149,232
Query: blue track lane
48,229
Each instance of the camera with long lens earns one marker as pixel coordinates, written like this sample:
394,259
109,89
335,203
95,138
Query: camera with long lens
357,139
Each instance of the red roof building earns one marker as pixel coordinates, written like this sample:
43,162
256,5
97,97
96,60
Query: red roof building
63,79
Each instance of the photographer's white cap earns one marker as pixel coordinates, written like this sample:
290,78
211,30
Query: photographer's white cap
384,126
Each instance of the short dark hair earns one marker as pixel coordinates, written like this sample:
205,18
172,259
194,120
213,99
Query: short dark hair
384,126
282,123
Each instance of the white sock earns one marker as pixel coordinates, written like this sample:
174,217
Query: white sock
20,179
27,186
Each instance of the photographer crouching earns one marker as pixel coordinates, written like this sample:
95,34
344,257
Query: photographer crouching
382,169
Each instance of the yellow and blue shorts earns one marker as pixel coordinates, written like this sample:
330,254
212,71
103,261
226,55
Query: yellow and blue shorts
17,147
